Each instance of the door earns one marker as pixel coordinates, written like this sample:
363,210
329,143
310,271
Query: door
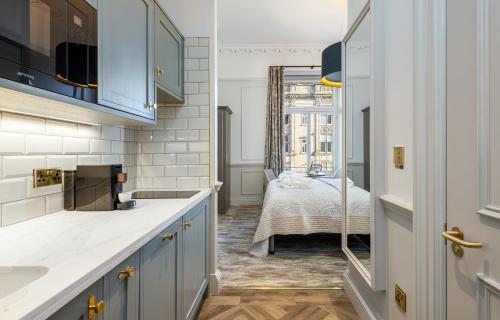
195,258
169,55
473,159
160,276
126,32
121,291
89,305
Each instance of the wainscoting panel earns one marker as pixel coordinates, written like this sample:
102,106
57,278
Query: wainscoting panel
252,182
247,183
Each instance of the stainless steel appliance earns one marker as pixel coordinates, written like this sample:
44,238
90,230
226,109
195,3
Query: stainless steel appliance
97,187
51,45
224,169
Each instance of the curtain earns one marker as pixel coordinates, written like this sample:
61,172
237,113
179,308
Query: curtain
274,121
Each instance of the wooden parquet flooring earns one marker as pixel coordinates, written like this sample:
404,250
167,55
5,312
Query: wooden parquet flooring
249,304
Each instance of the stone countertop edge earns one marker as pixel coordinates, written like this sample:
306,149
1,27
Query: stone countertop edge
20,304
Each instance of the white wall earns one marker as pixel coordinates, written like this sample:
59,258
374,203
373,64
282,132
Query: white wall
243,88
395,43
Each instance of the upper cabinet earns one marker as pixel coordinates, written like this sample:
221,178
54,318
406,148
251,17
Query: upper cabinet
126,34
169,59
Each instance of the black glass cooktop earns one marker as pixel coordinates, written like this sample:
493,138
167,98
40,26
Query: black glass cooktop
163,194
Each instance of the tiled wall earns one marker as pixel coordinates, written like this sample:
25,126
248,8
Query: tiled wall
29,142
174,153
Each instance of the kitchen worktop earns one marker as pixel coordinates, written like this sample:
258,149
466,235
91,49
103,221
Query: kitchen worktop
78,248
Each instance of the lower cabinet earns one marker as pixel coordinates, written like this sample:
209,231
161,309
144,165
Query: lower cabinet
164,280
161,274
195,259
89,305
121,290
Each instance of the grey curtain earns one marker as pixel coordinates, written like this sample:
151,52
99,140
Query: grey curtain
274,121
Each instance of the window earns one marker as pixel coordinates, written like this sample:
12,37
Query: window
312,124
305,119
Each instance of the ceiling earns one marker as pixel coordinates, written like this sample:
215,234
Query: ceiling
285,22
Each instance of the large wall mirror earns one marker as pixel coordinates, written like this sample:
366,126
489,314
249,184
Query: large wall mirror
357,197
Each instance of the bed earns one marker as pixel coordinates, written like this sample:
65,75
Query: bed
317,209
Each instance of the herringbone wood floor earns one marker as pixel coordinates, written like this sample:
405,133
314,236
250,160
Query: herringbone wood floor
247,304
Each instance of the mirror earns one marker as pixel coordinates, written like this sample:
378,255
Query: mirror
358,213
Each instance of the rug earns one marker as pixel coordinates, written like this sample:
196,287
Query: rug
313,261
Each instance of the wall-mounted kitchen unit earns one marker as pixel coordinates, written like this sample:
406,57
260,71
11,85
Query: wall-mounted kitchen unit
119,57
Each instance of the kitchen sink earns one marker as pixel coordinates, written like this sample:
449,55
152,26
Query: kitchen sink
15,278
164,194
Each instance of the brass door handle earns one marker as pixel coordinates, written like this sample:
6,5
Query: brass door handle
457,237
128,272
94,308
168,236
187,224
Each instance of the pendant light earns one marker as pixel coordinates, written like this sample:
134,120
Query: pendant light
331,65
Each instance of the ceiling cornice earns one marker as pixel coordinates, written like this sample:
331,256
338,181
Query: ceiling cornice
270,50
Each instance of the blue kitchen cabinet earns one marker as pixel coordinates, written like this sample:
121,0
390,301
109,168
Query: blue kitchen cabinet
121,290
126,56
89,305
195,259
169,59
160,269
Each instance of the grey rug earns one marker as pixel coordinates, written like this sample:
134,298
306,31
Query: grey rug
314,261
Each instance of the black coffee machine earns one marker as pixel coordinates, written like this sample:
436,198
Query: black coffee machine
94,187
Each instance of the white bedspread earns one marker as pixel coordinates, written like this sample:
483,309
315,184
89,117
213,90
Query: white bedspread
317,209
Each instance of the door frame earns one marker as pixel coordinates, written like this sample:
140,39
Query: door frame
430,157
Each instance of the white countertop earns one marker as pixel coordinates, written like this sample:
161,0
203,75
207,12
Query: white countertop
79,247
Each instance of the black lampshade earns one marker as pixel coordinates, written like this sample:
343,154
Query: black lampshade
331,65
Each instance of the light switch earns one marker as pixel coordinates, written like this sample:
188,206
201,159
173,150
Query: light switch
399,157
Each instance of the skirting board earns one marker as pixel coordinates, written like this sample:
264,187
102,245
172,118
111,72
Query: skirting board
357,299
215,283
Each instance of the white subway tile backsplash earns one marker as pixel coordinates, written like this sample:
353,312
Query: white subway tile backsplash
152,147
167,135
175,147
129,159
159,125
191,64
191,42
66,162
89,131
198,171
203,87
152,171
204,135
18,211
100,146
188,182
32,192
204,158
12,142
191,88
21,165
197,76
54,202
111,159
204,64
176,123
12,189
118,147
199,147
76,145
141,136
59,128
18,123
144,183
198,99
43,144
198,123
176,171
164,159
110,133
197,52
204,182
166,112
89,160
203,42
187,112
188,158
165,183
204,111
188,135
144,159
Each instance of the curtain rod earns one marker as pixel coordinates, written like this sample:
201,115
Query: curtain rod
310,66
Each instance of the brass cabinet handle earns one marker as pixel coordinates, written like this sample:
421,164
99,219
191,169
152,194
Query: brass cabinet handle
160,71
95,308
168,236
128,272
188,224
457,237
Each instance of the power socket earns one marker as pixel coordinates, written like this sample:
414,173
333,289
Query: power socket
46,177
400,298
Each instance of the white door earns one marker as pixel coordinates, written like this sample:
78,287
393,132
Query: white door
473,158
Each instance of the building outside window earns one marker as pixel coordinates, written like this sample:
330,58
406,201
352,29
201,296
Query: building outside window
311,125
